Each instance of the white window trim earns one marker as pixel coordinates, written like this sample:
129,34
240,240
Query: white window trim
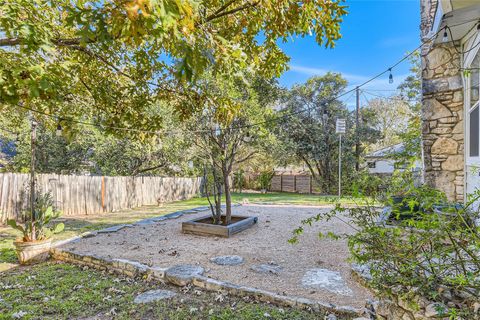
470,42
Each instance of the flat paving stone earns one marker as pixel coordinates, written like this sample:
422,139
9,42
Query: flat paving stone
327,280
182,274
227,260
145,222
154,295
114,228
267,268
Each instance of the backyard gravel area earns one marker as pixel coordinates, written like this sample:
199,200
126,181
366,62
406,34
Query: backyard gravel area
314,268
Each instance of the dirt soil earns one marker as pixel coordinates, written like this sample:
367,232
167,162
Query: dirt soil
163,244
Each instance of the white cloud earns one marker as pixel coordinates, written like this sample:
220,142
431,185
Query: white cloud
354,80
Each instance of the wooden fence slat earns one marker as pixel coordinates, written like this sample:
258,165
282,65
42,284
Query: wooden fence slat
84,195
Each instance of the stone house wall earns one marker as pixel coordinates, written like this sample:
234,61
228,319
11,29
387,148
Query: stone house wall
442,111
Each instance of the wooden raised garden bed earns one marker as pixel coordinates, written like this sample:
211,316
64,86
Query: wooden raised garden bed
204,226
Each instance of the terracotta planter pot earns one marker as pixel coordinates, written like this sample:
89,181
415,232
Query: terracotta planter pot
33,251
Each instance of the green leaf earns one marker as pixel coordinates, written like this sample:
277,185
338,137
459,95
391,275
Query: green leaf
59,228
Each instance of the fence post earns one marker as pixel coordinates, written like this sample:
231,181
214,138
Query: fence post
103,193
311,185
294,183
281,183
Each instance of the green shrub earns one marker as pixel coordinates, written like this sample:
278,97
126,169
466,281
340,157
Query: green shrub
37,226
433,252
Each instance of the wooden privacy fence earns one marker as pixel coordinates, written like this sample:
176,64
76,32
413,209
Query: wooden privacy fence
293,183
83,195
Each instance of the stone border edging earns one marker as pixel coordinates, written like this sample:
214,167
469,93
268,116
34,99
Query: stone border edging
135,269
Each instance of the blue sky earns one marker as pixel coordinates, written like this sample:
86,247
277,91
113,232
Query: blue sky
375,34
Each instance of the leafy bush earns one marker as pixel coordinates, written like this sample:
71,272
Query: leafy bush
370,184
265,178
431,253
36,226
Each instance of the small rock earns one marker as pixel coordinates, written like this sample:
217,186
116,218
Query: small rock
267,315
435,309
227,260
154,295
360,318
331,316
134,248
210,312
193,310
19,315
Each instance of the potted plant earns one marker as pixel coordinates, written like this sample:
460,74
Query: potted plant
37,231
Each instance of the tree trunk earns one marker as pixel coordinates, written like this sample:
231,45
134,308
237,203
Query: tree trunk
228,199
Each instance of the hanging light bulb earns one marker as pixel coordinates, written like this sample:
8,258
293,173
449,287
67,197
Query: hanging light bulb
445,36
59,130
390,76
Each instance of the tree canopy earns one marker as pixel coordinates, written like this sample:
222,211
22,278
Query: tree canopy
110,60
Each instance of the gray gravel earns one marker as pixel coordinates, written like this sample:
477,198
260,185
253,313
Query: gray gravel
162,244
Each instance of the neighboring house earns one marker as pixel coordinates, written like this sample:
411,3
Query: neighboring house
450,88
382,161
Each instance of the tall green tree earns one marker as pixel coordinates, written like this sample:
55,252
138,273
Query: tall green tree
308,130
228,135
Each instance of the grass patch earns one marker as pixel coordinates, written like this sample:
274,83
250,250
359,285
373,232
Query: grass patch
61,291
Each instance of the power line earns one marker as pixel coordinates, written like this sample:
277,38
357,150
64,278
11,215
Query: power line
394,98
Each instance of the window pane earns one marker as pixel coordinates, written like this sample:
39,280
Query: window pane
474,132
474,80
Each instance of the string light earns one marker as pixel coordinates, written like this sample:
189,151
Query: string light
445,36
390,76
59,130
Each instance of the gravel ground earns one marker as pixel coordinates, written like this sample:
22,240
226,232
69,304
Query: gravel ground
163,244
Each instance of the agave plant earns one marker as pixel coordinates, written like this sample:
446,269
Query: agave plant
37,226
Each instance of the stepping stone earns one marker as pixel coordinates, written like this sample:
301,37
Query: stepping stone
267,268
227,260
154,295
114,228
174,215
182,275
144,222
161,218
326,279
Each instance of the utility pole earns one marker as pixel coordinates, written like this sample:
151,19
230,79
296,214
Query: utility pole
357,121
340,129
340,165
33,139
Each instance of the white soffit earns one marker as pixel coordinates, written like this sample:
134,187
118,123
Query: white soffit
460,21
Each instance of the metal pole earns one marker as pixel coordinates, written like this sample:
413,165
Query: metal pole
340,166
357,140
32,176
